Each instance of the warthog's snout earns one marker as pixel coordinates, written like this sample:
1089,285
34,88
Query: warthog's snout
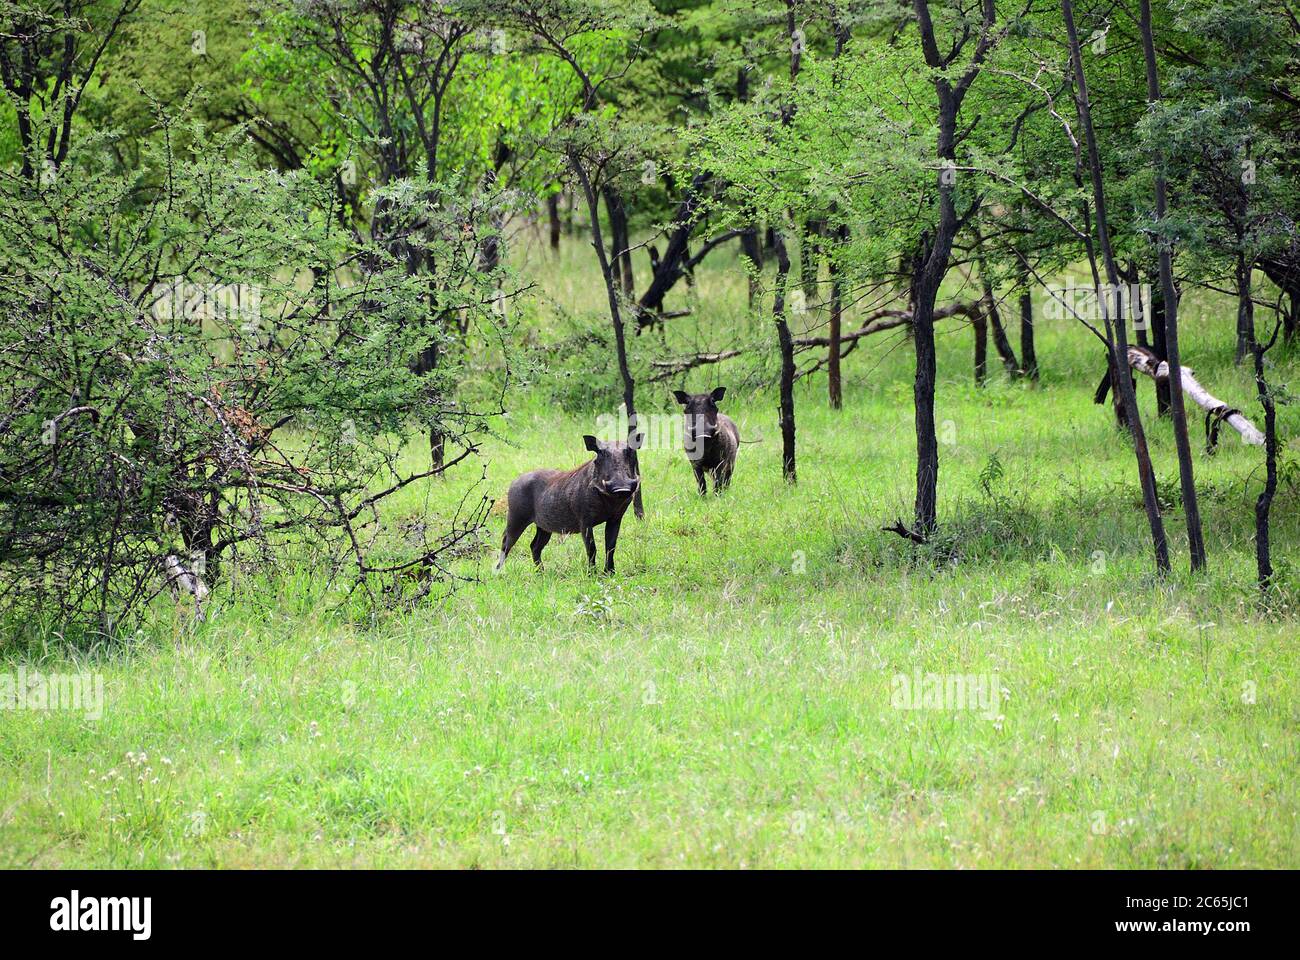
624,489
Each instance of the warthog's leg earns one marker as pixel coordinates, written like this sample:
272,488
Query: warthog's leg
699,478
589,541
611,541
540,541
721,477
514,530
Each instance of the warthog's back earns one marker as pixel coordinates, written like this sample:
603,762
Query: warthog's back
551,499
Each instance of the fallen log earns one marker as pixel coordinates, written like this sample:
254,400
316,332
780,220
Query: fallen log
1217,412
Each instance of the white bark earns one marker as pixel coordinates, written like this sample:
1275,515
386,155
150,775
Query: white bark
1141,361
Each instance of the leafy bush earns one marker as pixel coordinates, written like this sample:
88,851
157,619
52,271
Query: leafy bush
170,334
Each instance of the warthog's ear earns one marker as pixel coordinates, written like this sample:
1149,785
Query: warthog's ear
718,393
592,443
681,396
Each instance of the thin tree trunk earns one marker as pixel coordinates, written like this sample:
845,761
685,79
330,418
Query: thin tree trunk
425,363
1000,341
1028,355
553,216
608,272
1158,343
808,258
990,310
786,343
620,253
1245,308
930,264
1115,331
834,381
979,323
833,378
1264,503
1191,505
926,287
784,340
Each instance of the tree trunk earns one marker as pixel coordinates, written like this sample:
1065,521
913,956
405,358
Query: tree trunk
833,379
1245,308
1027,353
784,340
675,262
979,323
608,270
989,307
1000,341
620,253
930,263
927,442
808,259
840,235
1187,481
1264,504
1116,332
1159,344
553,216
426,362
786,344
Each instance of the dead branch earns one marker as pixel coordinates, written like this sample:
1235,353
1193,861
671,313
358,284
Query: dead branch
1216,411
905,533
877,322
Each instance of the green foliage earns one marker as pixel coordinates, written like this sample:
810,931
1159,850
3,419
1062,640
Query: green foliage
173,334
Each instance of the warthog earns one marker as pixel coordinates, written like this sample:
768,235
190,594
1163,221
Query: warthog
574,501
711,438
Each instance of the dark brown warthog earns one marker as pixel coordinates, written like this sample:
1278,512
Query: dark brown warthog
575,501
710,438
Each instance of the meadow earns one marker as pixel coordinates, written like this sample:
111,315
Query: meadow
728,698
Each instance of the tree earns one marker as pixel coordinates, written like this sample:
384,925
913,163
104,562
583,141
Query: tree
379,78
1191,509
49,53
1116,336
930,258
166,419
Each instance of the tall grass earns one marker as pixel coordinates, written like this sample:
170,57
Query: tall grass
727,698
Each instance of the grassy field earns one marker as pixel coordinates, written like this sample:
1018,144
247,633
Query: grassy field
727,699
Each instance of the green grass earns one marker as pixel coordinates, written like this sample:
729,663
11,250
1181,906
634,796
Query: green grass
725,700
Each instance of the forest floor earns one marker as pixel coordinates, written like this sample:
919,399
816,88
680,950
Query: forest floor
730,697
